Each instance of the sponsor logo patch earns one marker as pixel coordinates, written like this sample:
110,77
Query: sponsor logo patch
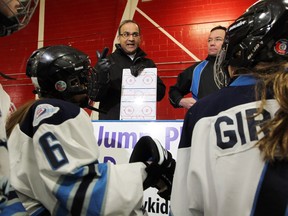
281,47
44,111
60,86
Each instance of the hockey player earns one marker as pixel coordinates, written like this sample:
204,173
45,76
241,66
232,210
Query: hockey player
14,15
54,153
233,153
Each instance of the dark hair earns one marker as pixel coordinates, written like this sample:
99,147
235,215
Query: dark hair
219,27
273,145
127,21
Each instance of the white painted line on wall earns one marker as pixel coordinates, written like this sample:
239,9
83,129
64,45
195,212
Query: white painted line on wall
41,24
168,35
129,12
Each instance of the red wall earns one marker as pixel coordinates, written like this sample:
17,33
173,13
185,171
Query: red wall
91,25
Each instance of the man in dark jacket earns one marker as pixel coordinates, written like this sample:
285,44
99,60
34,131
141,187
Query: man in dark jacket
128,54
198,79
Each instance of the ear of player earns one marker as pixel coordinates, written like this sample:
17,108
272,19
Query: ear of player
160,165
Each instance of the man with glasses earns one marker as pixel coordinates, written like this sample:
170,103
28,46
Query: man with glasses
198,79
128,54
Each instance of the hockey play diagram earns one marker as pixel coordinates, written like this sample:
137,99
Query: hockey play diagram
138,96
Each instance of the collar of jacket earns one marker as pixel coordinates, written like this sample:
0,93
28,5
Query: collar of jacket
243,80
139,51
211,58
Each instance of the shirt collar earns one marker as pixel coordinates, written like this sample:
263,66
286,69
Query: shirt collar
244,80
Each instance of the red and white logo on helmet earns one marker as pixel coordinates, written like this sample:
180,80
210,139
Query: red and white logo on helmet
281,47
60,86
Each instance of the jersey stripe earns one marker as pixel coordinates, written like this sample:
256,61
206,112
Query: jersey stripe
97,198
196,78
272,197
82,189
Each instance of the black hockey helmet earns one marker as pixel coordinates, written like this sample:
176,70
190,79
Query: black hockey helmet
59,71
259,35
15,15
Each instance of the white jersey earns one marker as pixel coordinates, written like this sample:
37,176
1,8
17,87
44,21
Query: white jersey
9,202
219,170
4,111
54,163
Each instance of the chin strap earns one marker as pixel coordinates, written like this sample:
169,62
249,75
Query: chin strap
6,76
95,109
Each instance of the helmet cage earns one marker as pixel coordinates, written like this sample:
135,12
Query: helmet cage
77,83
93,84
220,71
11,21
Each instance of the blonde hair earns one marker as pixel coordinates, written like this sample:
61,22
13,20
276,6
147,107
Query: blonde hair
273,76
17,117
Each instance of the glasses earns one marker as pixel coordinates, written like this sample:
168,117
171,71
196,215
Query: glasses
127,34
